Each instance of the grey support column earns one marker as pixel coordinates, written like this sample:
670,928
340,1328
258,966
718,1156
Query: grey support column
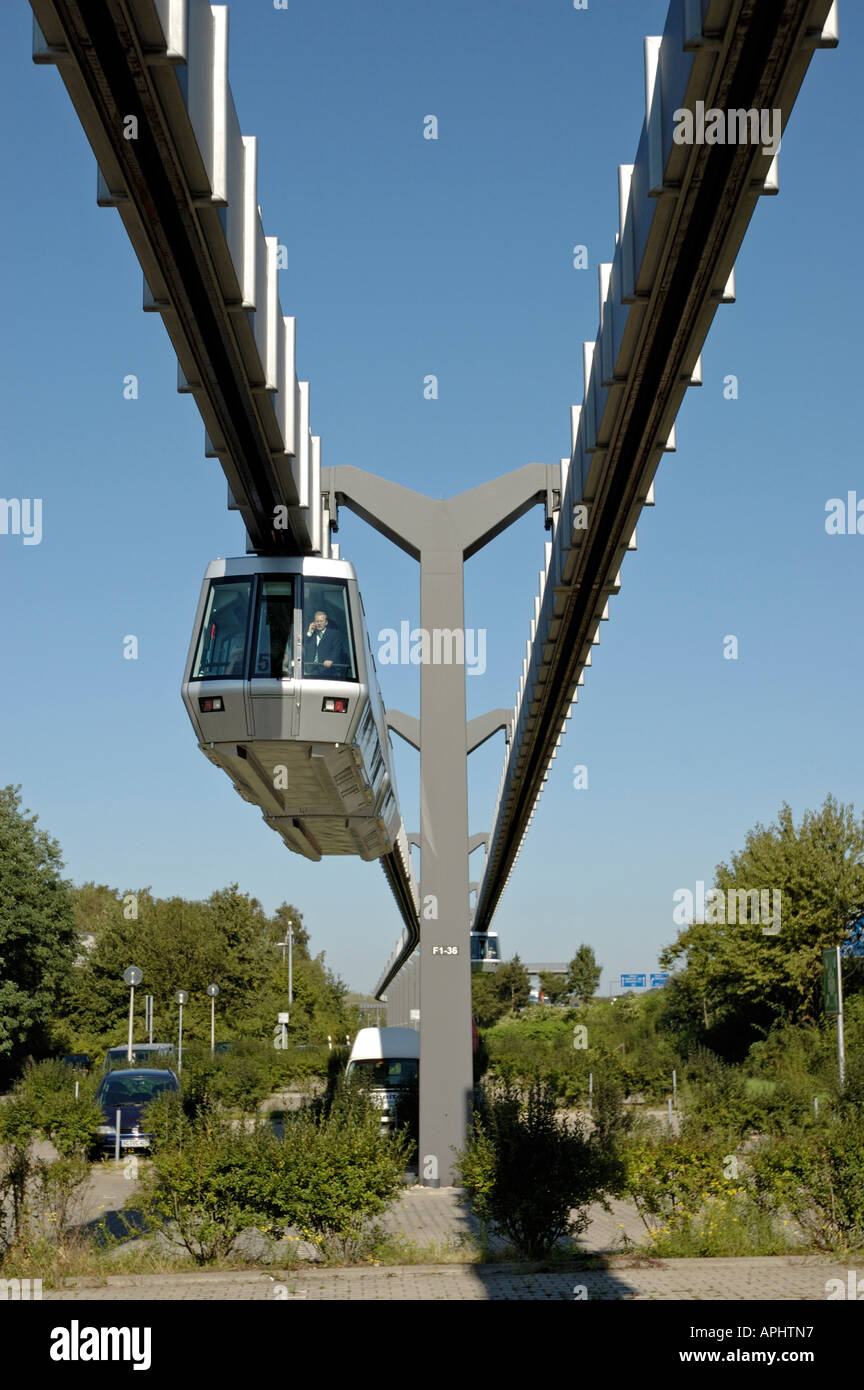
445,981
442,535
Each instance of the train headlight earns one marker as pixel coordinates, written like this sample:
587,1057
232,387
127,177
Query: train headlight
210,704
333,705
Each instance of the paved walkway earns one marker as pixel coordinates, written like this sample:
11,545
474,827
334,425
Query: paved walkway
780,1278
435,1218
429,1216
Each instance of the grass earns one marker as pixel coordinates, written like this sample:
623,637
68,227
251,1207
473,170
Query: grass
724,1226
393,1248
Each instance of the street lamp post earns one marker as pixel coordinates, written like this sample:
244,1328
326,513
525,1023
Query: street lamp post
288,944
181,996
832,984
212,990
133,976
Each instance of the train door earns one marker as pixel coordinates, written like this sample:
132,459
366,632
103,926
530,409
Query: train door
331,693
274,673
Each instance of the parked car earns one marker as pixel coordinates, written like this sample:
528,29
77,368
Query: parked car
129,1092
78,1061
142,1055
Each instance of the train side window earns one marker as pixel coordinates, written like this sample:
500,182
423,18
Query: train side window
222,643
271,654
367,735
328,640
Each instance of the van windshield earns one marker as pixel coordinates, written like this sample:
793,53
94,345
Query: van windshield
388,1073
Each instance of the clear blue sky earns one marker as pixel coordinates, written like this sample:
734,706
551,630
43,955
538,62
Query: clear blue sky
409,257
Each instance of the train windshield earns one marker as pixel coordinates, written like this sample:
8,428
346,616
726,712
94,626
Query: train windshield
272,655
484,947
320,607
328,646
222,644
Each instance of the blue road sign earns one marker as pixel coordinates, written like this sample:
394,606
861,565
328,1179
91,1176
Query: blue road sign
657,980
633,981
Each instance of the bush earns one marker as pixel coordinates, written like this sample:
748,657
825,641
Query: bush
611,1121
239,1079
167,1120
40,1198
337,1061
623,1038
211,1179
59,1195
19,1126
724,1225
698,1203
717,1107
69,1122
669,1178
524,1173
785,1108
816,1177
204,1181
335,1171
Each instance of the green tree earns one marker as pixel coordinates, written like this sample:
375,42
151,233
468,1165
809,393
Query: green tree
95,906
512,984
554,987
485,1000
227,940
583,975
38,941
737,980
499,992
286,917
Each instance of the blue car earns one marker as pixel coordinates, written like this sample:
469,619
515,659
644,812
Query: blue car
129,1092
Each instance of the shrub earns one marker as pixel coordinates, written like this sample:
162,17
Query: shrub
611,1121
204,1182
239,1078
785,1108
816,1177
70,1122
58,1197
697,1207
211,1179
166,1119
334,1171
19,1126
669,1178
718,1106
40,1198
515,1141
337,1061
724,1224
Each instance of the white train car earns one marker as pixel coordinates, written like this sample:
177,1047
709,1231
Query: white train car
281,689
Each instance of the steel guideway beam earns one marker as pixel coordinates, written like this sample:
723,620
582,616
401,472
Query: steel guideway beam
215,292
442,535
684,213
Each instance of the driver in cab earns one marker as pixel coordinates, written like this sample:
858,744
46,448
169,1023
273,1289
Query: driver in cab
323,648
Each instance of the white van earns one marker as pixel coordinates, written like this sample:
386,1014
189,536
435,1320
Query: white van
389,1059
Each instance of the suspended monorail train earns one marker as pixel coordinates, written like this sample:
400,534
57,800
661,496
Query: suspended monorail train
280,686
484,947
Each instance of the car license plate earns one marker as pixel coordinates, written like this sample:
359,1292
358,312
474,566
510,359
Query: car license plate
140,1143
